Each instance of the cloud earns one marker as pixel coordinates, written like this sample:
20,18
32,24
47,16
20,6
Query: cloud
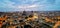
28,6
12,7
35,5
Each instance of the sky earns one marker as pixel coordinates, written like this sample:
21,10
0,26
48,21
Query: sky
29,5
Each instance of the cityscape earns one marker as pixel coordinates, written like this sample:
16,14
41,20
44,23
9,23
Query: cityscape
29,13
30,19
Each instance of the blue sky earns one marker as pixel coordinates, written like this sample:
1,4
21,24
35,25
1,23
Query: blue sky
29,5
